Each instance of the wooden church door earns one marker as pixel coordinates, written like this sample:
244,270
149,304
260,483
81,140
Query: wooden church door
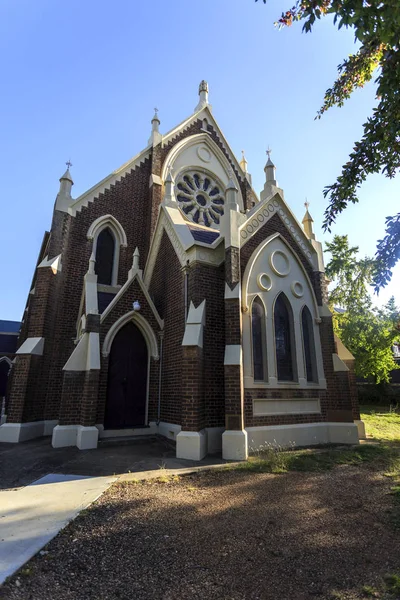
127,380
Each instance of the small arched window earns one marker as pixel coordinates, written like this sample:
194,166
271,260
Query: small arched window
105,250
309,345
259,341
284,339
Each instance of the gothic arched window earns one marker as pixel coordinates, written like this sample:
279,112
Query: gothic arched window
259,341
309,345
284,339
105,249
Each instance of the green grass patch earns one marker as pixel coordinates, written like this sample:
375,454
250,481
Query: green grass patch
381,424
392,583
279,460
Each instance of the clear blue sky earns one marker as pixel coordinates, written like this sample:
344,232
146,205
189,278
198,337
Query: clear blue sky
80,80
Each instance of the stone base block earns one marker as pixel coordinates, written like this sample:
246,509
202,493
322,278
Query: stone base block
343,433
169,430
64,435
20,432
87,437
191,445
234,445
361,430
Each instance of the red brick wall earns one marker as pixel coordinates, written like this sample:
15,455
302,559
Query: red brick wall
167,292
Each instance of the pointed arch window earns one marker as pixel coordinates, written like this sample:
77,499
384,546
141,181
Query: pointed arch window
105,251
310,358
259,340
284,339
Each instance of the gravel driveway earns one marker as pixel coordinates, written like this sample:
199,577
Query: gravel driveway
224,535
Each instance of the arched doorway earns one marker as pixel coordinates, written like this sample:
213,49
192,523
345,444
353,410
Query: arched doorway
127,380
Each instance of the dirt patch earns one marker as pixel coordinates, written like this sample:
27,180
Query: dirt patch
224,535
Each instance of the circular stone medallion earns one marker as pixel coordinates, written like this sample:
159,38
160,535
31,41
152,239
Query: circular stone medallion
264,282
297,289
279,262
204,154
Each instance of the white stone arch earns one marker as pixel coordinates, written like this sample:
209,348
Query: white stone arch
7,360
199,151
118,233
261,278
144,327
251,262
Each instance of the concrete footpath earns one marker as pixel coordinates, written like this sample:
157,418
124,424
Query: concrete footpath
31,516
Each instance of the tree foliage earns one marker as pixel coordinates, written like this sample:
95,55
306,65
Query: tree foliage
376,26
368,332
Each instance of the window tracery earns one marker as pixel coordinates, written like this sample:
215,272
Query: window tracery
200,197
284,339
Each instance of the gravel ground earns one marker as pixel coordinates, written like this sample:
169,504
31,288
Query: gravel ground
224,535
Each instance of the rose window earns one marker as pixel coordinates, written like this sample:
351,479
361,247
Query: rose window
200,198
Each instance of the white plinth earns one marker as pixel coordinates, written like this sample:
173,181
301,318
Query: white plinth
87,437
191,445
361,430
64,435
234,445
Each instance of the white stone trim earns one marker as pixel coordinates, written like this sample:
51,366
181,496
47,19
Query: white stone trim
33,346
138,276
324,311
86,355
285,406
107,221
233,294
144,327
169,430
233,354
307,434
234,445
21,432
6,359
195,322
191,445
261,214
155,180
120,239
338,364
54,263
342,351
361,429
89,196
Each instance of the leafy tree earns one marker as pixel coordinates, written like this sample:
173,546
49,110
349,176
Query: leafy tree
376,25
368,332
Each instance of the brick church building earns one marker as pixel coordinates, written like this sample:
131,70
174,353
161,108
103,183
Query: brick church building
170,298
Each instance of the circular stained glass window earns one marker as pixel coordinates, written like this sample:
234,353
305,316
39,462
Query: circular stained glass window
200,197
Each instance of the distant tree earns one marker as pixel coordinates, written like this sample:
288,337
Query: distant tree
376,25
368,332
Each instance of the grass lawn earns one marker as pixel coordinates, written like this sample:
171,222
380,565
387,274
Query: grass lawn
381,424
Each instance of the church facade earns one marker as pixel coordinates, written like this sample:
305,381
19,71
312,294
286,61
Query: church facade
171,299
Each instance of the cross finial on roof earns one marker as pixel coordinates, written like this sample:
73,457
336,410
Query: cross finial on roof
268,151
69,163
156,110
306,204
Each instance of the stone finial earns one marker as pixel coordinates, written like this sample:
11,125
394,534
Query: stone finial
92,264
307,223
155,137
203,93
135,262
270,177
243,163
64,198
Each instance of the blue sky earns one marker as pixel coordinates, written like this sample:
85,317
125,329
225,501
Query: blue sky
80,80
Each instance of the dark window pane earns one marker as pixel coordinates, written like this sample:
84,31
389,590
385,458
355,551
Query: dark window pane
105,257
284,339
309,346
258,334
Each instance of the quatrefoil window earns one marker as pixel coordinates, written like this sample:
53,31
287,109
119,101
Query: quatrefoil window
200,198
